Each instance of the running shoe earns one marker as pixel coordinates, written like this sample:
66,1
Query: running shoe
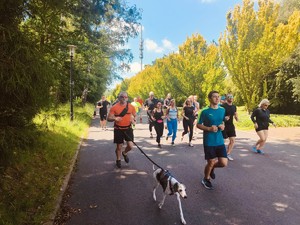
191,145
260,151
212,174
173,144
159,145
125,157
207,184
254,149
118,163
229,157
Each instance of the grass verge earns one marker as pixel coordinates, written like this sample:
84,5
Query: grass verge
30,186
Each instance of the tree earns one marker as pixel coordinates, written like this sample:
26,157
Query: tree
195,70
254,45
34,62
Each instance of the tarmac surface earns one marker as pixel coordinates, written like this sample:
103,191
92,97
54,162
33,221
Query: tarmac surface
253,189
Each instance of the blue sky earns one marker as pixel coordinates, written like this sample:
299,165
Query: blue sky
168,23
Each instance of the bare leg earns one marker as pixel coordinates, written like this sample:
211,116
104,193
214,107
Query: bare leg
118,151
263,135
128,147
230,145
213,163
209,167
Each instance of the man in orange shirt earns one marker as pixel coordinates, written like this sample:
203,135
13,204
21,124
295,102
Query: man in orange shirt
123,114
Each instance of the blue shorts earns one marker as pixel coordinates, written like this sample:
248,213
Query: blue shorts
212,152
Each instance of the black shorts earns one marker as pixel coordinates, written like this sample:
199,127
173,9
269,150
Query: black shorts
103,116
229,132
262,128
212,152
124,134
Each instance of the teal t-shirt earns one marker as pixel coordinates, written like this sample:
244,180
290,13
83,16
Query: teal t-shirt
208,117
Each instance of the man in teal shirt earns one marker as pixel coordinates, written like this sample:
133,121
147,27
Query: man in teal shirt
211,121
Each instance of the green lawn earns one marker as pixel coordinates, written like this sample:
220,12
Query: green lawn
245,122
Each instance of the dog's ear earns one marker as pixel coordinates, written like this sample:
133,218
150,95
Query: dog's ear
176,187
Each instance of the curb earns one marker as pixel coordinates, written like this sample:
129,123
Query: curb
64,187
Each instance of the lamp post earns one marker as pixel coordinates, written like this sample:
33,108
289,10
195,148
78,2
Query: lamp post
72,53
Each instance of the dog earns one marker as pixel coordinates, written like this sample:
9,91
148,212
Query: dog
170,186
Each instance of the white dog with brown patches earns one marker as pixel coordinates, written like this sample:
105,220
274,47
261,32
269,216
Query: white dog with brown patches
170,186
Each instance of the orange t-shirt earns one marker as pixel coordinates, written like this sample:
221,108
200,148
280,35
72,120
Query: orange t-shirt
126,120
140,101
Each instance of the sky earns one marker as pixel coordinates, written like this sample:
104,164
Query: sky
168,23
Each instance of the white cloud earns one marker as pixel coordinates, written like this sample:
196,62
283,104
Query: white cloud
135,67
167,44
207,1
152,46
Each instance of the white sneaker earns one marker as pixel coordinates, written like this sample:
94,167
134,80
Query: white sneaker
229,157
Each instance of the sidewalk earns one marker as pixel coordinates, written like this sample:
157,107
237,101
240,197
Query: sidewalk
290,134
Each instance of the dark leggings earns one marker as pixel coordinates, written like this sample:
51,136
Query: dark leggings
159,128
151,125
188,125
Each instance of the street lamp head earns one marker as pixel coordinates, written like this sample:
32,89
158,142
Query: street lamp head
72,50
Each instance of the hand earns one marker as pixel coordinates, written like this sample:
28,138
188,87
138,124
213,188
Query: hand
221,126
227,118
255,126
118,118
213,128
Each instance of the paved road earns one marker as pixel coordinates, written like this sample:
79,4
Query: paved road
253,189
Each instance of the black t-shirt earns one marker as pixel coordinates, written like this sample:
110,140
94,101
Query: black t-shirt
167,102
230,110
151,103
261,117
104,103
189,112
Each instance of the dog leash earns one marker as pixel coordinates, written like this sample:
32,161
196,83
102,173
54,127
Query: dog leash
142,151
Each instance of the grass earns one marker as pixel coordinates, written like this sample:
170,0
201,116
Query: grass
30,187
245,122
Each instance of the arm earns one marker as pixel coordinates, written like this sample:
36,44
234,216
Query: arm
236,116
112,118
167,114
183,114
271,121
254,120
209,129
252,116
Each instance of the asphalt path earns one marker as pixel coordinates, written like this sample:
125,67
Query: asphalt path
253,189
